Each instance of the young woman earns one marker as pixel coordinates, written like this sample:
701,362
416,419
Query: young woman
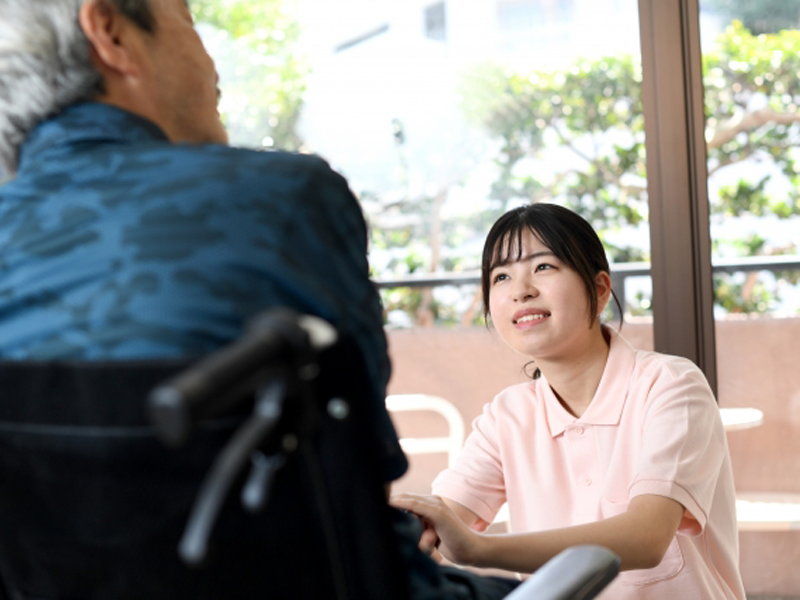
606,445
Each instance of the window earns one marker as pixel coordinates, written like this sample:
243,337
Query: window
534,26
543,100
752,94
521,15
436,22
422,130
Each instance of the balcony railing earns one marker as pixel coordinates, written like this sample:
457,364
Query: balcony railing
619,273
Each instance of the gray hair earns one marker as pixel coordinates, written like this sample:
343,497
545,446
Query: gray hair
45,64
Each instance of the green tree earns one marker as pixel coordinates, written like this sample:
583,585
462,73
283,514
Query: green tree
593,110
752,93
589,115
263,78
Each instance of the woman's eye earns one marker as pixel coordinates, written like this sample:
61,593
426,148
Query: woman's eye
543,267
499,277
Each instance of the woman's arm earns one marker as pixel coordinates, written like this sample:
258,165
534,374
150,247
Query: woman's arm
640,536
466,516
429,540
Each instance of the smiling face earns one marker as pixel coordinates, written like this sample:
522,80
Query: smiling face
538,304
183,76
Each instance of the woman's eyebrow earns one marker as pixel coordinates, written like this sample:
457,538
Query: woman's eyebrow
537,255
532,256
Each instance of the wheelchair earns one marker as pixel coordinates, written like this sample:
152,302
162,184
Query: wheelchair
250,473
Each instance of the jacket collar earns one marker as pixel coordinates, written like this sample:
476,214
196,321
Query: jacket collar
95,122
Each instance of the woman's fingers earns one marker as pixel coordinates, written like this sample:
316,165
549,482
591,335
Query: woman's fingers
425,506
429,540
457,540
433,513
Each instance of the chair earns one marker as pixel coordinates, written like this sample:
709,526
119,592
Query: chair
97,502
451,443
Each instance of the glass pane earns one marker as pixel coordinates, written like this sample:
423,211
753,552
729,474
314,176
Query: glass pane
751,54
442,116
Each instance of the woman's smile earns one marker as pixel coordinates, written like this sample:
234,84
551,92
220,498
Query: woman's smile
530,316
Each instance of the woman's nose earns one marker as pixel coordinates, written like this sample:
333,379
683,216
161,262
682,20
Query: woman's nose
523,289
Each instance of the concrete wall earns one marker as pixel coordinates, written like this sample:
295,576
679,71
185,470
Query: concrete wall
758,366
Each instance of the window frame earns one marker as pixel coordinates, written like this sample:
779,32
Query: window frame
672,97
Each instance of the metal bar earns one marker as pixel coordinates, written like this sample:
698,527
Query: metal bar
619,271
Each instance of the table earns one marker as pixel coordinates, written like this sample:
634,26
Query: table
736,419
768,511
765,511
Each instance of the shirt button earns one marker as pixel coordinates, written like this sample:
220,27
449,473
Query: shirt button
579,430
587,481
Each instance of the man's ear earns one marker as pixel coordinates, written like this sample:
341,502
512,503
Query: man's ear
108,32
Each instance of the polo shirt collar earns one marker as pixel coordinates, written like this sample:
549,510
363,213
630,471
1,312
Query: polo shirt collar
609,399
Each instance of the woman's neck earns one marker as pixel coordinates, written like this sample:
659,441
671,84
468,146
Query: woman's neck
576,379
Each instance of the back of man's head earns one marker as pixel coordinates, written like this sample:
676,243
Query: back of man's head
45,63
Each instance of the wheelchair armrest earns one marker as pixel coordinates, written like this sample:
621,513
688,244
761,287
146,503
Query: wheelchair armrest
577,573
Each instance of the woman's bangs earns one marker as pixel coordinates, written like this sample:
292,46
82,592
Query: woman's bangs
508,248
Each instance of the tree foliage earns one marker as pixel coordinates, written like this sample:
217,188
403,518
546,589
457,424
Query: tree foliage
574,136
593,111
263,79
752,94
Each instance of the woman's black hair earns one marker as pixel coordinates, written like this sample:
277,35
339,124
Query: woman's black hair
571,239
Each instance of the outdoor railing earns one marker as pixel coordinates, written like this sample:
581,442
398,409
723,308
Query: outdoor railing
619,273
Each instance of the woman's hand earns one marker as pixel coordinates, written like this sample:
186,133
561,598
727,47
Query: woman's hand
640,536
456,542
429,540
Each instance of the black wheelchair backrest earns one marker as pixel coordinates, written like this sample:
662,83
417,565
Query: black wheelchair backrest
94,505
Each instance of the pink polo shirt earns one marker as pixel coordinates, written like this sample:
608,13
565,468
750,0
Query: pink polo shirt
653,427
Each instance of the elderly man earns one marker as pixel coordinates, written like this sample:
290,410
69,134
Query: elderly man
130,230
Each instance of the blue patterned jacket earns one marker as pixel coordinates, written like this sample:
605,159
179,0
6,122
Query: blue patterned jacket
117,244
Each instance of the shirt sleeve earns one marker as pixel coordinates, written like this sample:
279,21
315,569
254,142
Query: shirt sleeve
684,444
477,481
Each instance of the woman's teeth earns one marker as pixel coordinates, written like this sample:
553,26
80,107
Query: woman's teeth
527,318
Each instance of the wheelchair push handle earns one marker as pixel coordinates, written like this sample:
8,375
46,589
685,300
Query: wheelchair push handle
276,340
577,573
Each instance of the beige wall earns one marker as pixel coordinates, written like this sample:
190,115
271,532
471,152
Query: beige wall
758,366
